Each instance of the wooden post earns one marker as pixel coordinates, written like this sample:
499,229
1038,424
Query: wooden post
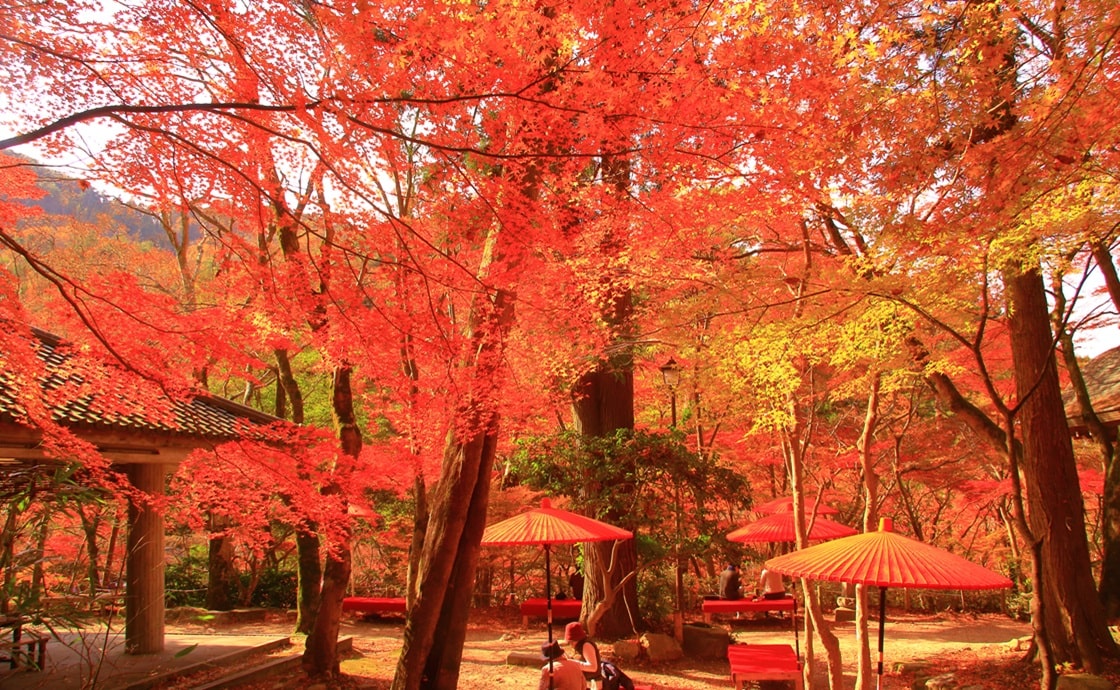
144,604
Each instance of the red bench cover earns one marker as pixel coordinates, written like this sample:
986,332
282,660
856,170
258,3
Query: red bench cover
744,605
561,608
374,604
763,662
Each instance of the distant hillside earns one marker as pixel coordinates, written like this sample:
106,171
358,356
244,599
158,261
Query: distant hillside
76,199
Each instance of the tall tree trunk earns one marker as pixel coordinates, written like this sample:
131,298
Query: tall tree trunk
1107,444
1074,617
309,574
7,556
603,403
110,579
794,449
222,580
90,524
42,530
454,530
447,652
864,672
320,656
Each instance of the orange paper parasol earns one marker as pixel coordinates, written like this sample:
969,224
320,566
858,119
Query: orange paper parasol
546,526
779,528
886,559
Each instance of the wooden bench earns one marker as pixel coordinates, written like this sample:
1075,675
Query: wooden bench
561,609
764,662
375,605
728,606
36,644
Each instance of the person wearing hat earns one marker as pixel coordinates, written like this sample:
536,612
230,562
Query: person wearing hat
586,653
560,672
729,585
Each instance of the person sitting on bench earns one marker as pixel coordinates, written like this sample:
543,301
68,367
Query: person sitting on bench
771,585
729,586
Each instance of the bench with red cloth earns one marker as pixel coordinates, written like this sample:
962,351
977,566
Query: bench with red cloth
374,605
561,609
764,662
714,606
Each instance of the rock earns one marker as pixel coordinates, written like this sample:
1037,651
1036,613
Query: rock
1020,644
517,658
843,615
627,650
1083,681
661,647
703,641
946,681
915,667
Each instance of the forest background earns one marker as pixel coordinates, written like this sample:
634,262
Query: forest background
461,239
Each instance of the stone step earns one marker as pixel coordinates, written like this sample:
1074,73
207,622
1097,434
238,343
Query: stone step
269,669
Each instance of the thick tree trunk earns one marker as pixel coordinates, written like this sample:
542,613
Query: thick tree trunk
1110,496
89,527
1074,620
603,403
1107,443
320,656
447,652
309,576
443,565
222,575
456,521
419,529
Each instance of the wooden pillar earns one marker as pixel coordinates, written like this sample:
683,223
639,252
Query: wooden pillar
144,604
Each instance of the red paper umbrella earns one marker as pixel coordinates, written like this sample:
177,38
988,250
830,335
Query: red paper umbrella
779,527
546,526
785,505
886,559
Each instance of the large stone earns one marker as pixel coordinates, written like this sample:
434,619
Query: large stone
519,658
946,681
844,615
661,647
627,650
1084,681
703,641
1020,644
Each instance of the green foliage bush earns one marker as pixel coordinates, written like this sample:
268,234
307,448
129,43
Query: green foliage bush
185,581
277,589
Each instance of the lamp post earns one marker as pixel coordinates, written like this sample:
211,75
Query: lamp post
671,374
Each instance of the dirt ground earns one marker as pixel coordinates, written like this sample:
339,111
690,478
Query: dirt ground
975,648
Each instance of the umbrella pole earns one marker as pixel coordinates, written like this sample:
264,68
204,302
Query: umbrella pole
796,635
882,617
548,605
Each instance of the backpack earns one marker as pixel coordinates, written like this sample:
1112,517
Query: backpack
614,678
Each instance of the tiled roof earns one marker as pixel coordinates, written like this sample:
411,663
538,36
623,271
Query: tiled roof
80,390
1102,379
